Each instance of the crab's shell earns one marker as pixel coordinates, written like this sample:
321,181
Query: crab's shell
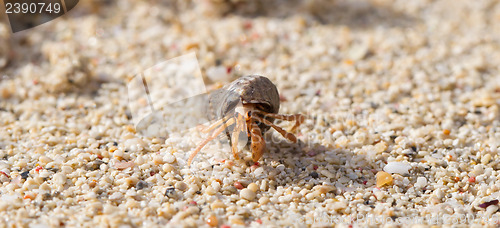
251,89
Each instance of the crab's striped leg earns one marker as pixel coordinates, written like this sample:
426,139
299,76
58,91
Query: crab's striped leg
240,126
258,144
212,137
216,124
298,118
285,134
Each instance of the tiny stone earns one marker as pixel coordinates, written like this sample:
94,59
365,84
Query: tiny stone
383,178
238,185
116,196
421,182
169,158
209,190
314,174
380,195
167,168
327,173
237,221
491,209
212,221
141,184
322,189
439,193
397,167
44,160
169,192
486,159
158,160
253,187
339,205
380,147
263,200
25,175
217,204
247,194
181,185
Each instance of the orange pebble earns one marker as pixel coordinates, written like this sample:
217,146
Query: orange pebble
446,132
383,178
212,221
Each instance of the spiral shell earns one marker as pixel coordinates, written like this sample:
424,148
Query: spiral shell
251,89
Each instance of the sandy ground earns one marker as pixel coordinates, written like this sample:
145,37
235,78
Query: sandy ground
402,98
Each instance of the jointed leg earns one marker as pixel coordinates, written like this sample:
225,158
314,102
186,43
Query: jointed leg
285,134
239,126
215,125
258,143
298,118
213,136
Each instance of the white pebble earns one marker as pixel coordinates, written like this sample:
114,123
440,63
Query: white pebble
116,196
421,182
247,194
327,173
169,158
397,167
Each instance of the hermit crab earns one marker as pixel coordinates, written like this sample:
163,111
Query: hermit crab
249,104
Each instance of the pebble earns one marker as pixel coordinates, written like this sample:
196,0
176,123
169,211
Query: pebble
421,182
486,159
327,173
44,160
170,192
209,190
323,189
379,194
25,175
238,185
180,186
247,194
217,204
380,147
167,168
169,158
116,196
340,205
263,200
253,187
397,167
141,184
212,221
383,178
237,221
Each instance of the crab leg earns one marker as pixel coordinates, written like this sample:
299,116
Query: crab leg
298,118
258,144
212,137
285,134
214,125
236,135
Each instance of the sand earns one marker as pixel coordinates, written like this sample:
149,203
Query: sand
402,99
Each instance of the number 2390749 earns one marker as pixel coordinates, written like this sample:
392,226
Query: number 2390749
32,8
